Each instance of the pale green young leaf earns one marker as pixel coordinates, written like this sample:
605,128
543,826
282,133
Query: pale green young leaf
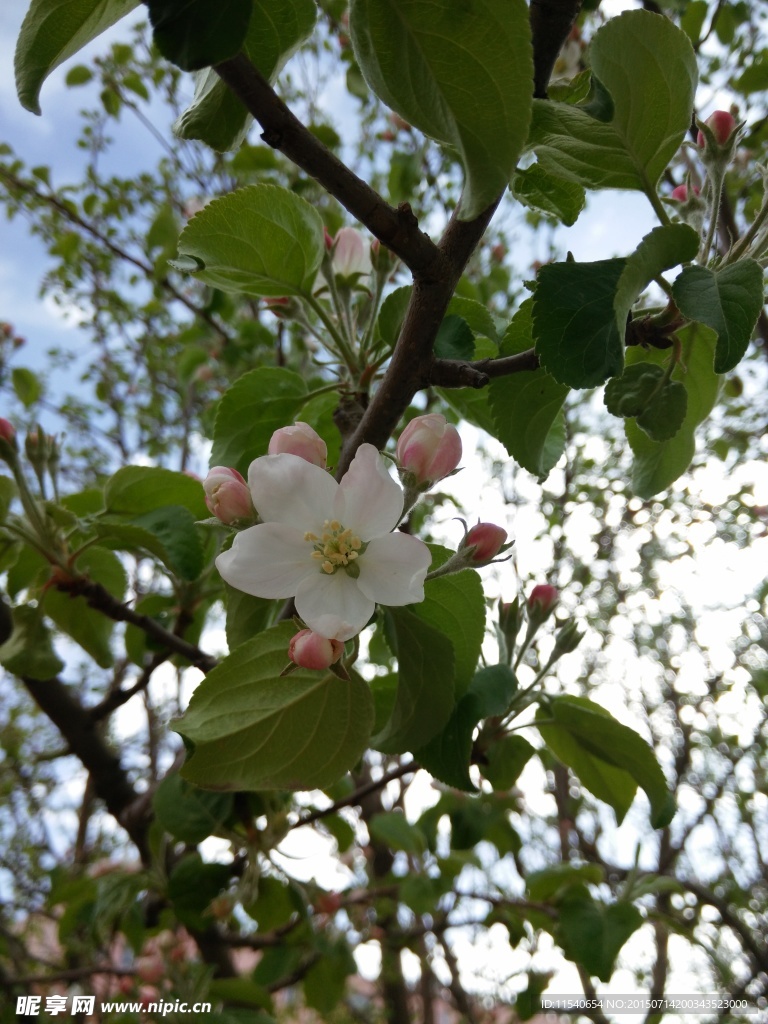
461,73
259,240
54,30
660,249
252,729
541,190
657,464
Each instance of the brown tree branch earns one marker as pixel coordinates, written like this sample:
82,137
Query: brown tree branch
99,597
74,218
455,373
109,779
397,228
410,767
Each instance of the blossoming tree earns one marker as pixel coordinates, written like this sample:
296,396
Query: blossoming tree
359,652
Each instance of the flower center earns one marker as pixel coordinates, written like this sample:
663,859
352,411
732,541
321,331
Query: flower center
337,548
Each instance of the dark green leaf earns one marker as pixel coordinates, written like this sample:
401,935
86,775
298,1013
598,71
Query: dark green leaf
425,692
29,652
54,30
253,729
728,300
216,116
592,934
664,414
189,814
505,760
461,73
135,490
195,34
251,410
192,886
454,339
574,322
611,741
246,616
395,831
527,405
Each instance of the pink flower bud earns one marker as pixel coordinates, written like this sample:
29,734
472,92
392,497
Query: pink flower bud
681,193
350,253
487,539
542,601
310,650
722,124
328,239
300,440
7,431
429,448
227,495
150,969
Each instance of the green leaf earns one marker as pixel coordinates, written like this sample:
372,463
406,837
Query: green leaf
541,190
168,533
477,316
577,339
618,745
664,414
54,30
634,56
447,756
187,813
461,73
253,729
135,490
29,652
325,981
395,831
216,116
195,34
455,605
191,888
8,492
657,464
72,615
27,385
728,300
641,391
246,615
505,760
660,249
592,934
425,691
275,904
527,406
259,240
613,786
249,412
551,884
454,339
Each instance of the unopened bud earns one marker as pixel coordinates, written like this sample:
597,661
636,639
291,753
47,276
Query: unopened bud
351,256
428,450
36,447
541,602
680,193
486,540
7,431
510,618
300,440
310,650
227,495
568,639
722,124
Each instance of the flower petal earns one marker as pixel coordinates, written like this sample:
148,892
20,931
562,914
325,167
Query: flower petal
268,560
333,606
393,568
369,501
287,489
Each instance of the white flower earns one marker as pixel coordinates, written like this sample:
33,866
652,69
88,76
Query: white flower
330,545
